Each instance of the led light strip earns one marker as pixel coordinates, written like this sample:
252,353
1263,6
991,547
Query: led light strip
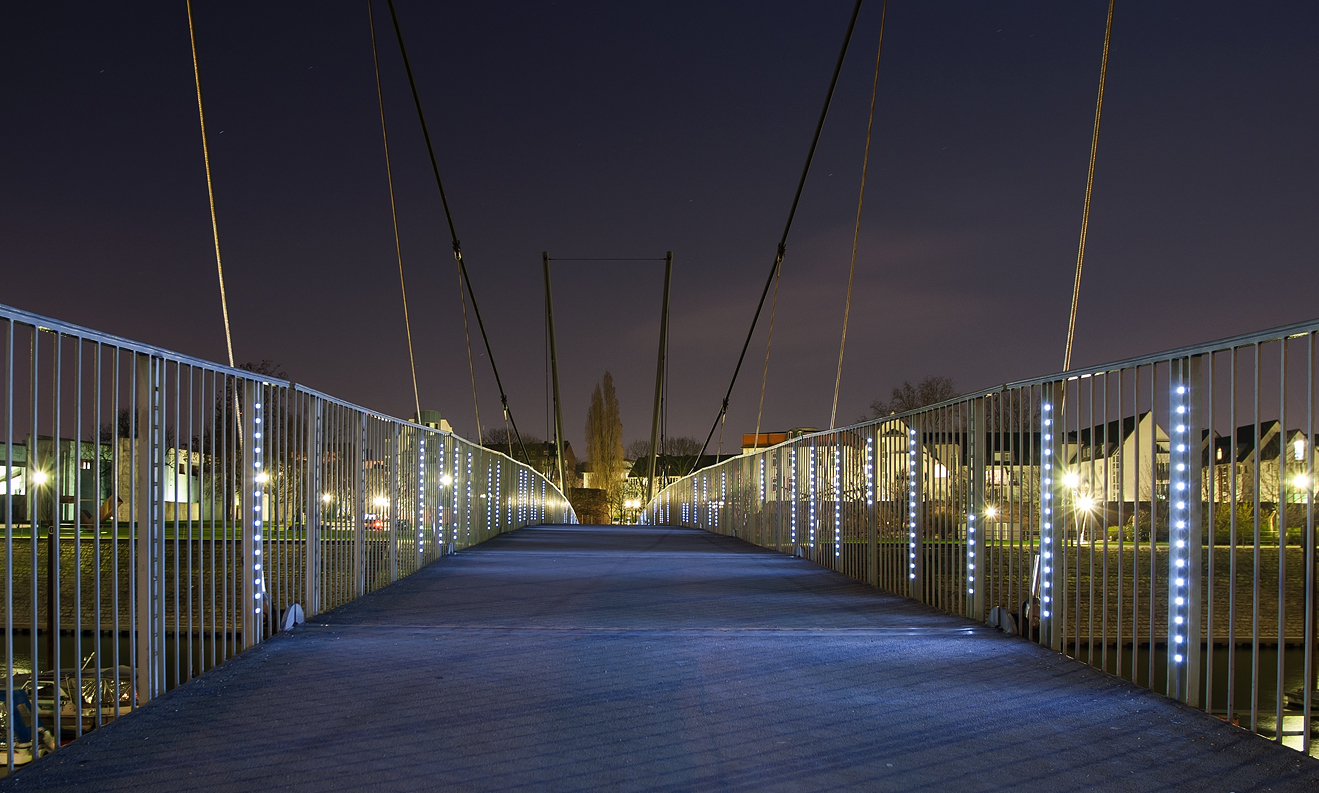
258,499
1177,498
911,501
792,496
762,479
723,495
970,546
870,471
1046,495
421,498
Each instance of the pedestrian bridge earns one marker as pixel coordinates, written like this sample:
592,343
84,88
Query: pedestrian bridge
1100,579
656,658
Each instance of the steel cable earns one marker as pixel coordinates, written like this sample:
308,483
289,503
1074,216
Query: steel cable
210,191
453,234
856,233
1089,185
393,209
787,227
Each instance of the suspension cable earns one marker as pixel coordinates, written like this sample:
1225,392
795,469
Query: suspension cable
856,233
1089,184
453,234
471,368
393,210
210,191
787,227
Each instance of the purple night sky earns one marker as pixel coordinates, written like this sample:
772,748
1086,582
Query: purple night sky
625,129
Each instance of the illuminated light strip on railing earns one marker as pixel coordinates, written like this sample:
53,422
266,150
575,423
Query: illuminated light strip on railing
258,500
971,536
870,471
1046,495
467,524
911,504
489,502
723,495
762,479
453,491
792,496
1177,521
421,498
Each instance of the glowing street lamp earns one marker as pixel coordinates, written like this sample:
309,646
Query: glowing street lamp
39,477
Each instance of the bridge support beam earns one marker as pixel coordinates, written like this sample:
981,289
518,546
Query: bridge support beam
659,371
554,373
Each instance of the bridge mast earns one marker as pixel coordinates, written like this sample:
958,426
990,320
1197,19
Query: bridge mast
659,374
554,370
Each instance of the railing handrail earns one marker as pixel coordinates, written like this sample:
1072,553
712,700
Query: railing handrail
1202,348
42,322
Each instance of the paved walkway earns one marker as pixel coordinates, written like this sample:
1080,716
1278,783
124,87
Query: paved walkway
629,658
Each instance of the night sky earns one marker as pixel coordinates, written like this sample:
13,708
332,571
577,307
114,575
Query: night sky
629,129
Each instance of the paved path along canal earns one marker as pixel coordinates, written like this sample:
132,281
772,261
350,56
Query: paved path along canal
646,658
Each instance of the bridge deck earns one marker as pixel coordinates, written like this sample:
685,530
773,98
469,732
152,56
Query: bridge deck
578,658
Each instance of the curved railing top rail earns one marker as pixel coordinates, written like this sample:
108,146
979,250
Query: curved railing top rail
1228,343
62,327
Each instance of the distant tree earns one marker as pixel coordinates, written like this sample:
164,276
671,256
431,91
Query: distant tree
506,441
906,397
682,446
604,440
637,450
267,367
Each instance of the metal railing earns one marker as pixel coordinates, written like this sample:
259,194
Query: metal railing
1152,517
164,513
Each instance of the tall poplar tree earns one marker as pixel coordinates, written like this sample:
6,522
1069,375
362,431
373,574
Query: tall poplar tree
604,441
